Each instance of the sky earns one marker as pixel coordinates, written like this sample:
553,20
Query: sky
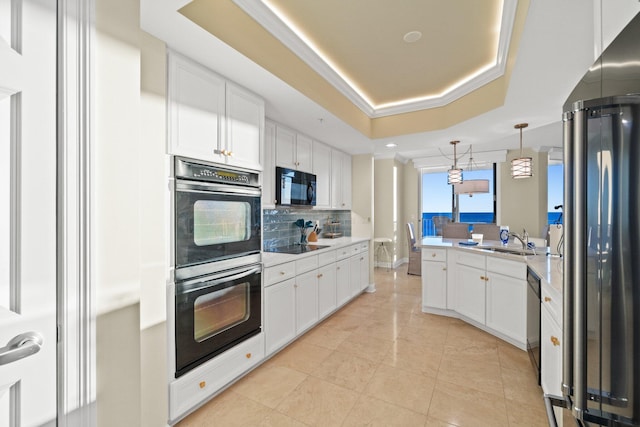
437,193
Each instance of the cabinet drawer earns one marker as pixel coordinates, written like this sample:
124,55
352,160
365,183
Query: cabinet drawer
343,253
429,254
326,258
364,246
205,381
472,260
552,299
278,273
306,264
507,267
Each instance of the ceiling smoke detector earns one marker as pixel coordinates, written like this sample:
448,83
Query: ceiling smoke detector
412,36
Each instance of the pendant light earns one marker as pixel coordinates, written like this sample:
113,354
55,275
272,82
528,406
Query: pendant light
471,186
454,174
521,167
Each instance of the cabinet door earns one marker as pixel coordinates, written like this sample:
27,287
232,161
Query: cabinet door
326,290
354,275
336,179
304,153
245,127
269,166
364,270
507,306
550,353
471,292
285,148
343,289
346,181
434,284
306,301
196,110
322,171
280,314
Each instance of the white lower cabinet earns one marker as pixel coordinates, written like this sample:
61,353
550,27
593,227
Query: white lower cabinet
306,288
327,291
343,289
507,298
200,384
364,266
354,275
550,353
280,314
471,292
434,278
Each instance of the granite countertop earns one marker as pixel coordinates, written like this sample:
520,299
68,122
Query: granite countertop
548,268
274,258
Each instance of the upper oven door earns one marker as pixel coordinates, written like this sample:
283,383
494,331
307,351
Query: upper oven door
214,223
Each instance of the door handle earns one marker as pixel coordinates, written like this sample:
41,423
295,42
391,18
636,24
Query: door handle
20,346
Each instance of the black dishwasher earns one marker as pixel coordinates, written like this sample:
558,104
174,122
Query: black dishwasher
533,319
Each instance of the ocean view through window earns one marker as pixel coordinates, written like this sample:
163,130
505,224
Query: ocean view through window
438,197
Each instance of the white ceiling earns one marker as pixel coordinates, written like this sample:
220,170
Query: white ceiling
556,49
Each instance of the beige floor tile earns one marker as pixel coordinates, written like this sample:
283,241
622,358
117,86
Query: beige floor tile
386,315
432,422
473,350
429,321
228,409
527,415
414,358
402,388
343,321
468,371
374,412
319,403
366,346
465,406
269,385
512,357
326,336
521,386
424,337
302,356
276,419
346,370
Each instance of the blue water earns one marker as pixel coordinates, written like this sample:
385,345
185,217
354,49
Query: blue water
428,228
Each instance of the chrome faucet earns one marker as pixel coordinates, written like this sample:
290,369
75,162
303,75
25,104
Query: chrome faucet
522,240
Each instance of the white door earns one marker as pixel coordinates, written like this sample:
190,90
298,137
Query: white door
27,212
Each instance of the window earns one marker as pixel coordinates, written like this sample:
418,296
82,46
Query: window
555,193
437,201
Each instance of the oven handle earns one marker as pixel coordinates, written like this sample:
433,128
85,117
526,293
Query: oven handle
212,280
206,187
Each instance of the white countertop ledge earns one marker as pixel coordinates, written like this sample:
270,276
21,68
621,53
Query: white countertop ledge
270,259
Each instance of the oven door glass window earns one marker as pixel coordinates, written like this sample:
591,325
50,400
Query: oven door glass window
221,310
217,222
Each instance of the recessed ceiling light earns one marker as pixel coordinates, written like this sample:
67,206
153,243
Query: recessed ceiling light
391,145
412,36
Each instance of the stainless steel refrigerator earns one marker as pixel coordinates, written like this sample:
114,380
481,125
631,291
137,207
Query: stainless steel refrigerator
601,369
601,307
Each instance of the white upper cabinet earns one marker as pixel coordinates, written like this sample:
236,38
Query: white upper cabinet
212,119
293,151
196,110
269,161
245,125
340,180
322,171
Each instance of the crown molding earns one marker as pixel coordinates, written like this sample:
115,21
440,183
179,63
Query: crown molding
259,11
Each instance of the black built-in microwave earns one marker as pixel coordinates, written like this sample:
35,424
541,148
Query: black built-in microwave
295,187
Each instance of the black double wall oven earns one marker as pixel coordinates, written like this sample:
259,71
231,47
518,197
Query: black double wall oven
217,260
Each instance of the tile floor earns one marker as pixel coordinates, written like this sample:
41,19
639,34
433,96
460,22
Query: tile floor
380,361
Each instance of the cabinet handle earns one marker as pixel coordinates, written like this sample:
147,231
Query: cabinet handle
444,268
202,384
248,355
320,276
230,153
295,286
555,341
433,255
362,259
547,299
486,279
482,278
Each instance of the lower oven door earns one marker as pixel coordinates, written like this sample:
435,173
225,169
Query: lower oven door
214,313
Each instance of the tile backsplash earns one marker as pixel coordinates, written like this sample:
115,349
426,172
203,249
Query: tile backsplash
279,229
